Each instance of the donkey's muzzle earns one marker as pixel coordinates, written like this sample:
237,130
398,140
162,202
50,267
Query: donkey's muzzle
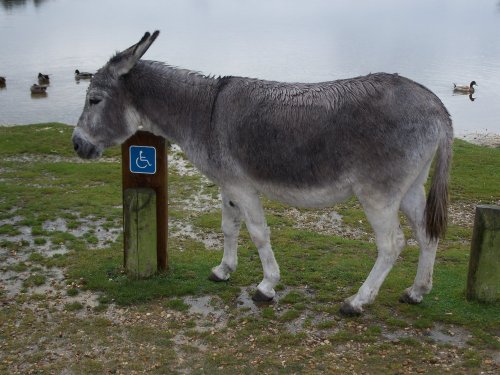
83,147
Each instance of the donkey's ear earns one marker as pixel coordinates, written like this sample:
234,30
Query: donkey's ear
123,61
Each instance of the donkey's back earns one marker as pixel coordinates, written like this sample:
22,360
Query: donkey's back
375,132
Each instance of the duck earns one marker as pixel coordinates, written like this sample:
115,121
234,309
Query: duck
82,75
43,78
2,81
465,89
38,89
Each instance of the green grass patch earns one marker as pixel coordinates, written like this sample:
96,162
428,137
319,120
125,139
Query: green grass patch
40,241
9,229
177,304
34,280
290,315
293,298
475,173
72,292
73,306
318,271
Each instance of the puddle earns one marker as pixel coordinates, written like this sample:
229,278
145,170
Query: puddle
213,315
12,277
203,306
212,241
209,306
10,283
12,220
55,225
47,249
86,225
245,302
453,336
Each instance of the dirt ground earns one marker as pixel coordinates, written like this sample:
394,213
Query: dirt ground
52,326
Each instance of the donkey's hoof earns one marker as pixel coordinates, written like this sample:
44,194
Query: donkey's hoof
214,277
406,298
261,297
348,310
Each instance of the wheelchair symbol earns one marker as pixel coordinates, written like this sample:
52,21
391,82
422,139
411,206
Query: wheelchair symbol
142,162
142,159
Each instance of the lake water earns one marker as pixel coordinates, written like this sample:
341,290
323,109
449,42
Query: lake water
433,42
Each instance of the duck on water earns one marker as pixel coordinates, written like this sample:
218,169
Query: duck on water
464,89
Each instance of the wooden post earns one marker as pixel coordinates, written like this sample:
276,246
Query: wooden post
145,211
483,282
139,207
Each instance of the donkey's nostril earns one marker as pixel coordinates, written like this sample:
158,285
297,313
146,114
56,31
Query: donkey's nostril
76,146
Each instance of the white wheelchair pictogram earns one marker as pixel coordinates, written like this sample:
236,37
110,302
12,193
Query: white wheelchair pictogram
142,162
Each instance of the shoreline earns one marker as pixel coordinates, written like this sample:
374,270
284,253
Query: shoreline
480,139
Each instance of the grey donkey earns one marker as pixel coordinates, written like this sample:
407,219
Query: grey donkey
304,144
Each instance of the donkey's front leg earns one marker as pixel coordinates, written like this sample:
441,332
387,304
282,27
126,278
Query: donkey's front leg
231,221
255,221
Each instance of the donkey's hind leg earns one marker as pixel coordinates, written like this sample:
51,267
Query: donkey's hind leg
413,206
390,241
231,222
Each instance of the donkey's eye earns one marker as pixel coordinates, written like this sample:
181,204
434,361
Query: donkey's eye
94,101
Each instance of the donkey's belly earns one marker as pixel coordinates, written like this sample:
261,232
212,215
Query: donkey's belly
312,197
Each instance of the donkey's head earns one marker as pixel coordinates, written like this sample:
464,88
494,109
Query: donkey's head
105,120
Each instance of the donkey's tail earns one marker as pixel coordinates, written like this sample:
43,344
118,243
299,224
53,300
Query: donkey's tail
436,208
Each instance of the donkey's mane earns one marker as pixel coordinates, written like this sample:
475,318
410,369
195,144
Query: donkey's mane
167,71
298,94
328,93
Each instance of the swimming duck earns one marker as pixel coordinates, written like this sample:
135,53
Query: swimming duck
465,89
38,89
43,78
2,81
82,75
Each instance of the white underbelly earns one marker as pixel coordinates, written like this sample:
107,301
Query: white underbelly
312,197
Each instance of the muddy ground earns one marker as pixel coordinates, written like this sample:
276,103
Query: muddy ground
55,325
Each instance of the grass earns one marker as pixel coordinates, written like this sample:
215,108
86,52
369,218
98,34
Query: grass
318,272
34,280
177,304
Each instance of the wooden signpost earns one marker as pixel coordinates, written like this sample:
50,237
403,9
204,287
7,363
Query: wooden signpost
483,283
145,212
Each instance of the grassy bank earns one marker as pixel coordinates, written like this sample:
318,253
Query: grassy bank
66,303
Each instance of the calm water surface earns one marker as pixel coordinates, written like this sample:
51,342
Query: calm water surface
433,42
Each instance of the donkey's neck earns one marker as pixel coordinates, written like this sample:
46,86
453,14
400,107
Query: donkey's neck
173,103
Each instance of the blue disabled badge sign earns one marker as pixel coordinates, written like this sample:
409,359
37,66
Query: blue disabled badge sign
142,159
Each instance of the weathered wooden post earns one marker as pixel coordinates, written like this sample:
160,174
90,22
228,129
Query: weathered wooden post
145,215
483,282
